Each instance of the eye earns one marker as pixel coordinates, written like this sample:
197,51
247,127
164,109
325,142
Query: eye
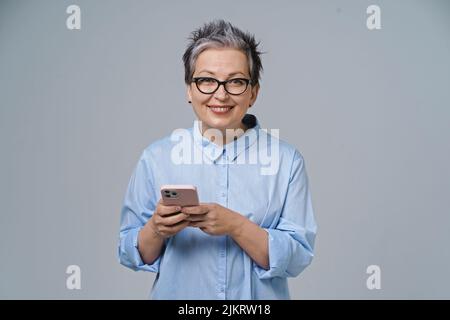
206,81
237,82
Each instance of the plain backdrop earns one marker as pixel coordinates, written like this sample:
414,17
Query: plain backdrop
368,110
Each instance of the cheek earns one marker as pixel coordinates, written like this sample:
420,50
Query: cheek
243,101
201,99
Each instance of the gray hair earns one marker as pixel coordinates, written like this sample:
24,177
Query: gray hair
221,34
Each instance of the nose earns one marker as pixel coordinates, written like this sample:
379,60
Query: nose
221,94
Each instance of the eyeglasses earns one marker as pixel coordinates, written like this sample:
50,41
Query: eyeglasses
234,86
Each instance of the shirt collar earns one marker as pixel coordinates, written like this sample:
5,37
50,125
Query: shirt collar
232,149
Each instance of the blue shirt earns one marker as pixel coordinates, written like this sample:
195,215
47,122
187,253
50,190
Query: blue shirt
195,265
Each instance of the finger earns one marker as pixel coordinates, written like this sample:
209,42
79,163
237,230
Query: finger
174,219
167,210
198,224
196,217
195,209
178,227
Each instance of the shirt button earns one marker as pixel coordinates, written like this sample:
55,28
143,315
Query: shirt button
223,194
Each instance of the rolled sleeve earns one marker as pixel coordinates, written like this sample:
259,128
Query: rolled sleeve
139,205
291,239
129,254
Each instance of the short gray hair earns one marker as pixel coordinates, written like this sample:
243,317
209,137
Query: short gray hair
222,34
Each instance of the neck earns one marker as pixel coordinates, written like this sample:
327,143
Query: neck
225,136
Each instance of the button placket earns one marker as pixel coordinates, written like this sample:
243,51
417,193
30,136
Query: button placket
222,200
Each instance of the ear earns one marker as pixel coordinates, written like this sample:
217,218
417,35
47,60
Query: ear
255,90
189,92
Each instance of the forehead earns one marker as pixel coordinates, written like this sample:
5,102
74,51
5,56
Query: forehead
222,61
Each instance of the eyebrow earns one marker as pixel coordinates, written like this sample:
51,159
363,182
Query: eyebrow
229,75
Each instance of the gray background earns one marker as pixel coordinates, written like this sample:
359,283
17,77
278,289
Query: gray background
369,111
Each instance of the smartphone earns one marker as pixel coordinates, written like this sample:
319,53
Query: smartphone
179,195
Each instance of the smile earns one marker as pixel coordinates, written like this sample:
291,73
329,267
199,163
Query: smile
220,109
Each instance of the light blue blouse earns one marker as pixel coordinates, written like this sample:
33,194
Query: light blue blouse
195,265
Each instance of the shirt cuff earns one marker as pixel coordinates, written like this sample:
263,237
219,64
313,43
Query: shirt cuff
282,248
129,254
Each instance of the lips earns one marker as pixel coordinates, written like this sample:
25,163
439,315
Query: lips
220,109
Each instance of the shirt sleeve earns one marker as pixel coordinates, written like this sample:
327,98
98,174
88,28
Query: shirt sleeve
291,241
138,206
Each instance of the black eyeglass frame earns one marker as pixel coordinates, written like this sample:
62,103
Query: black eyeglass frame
219,83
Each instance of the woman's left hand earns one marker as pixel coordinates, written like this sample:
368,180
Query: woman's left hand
213,219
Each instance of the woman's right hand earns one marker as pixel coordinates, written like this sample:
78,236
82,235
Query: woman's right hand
167,221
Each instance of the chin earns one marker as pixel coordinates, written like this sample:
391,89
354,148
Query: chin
218,123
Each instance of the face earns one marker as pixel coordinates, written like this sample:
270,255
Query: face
221,110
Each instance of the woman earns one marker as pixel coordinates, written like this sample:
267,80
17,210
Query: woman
253,228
